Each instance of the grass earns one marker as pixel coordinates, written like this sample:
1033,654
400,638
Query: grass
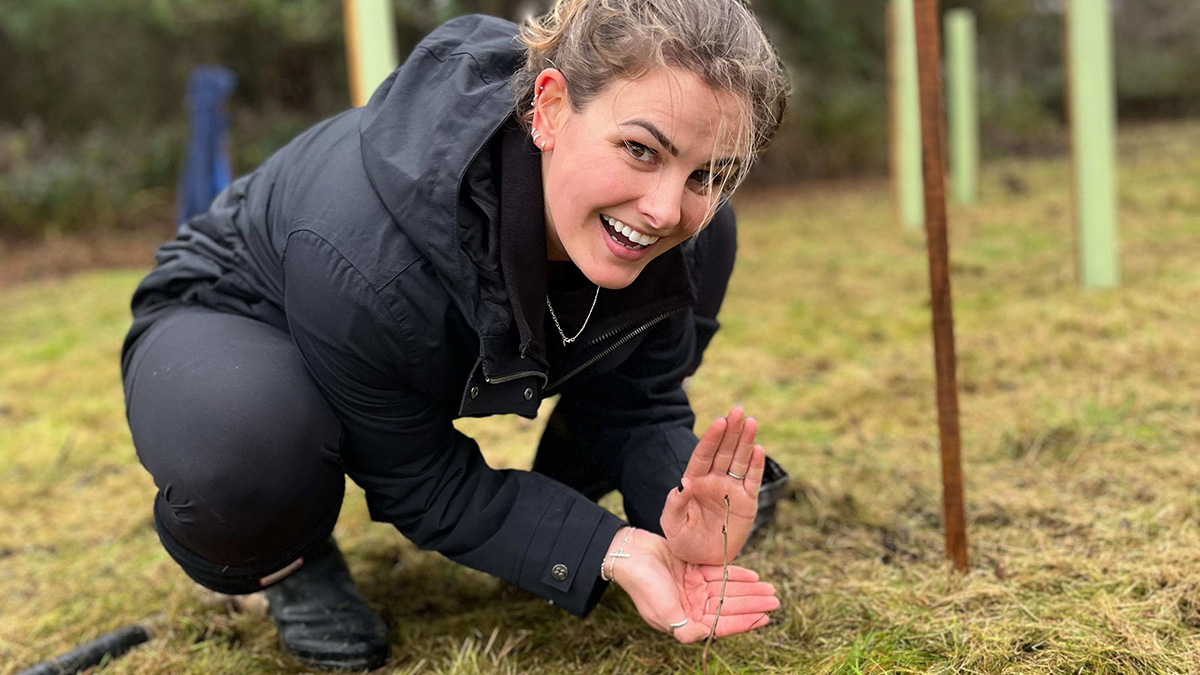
1080,429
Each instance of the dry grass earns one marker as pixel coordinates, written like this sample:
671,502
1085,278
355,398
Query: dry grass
1080,422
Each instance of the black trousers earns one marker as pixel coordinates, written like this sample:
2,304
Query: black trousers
244,449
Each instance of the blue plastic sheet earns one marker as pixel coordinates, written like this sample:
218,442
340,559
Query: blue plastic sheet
207,169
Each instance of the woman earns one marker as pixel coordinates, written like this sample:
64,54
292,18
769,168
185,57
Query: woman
440,253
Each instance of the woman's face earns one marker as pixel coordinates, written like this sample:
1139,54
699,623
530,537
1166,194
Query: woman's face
635,172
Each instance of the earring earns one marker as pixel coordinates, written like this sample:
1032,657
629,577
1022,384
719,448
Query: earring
536,133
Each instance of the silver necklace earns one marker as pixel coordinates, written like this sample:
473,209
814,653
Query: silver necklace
568,340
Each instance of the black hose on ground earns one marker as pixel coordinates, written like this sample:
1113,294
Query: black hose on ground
110,645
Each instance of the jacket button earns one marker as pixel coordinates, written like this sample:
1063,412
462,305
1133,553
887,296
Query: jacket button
528,394
474,392
559,572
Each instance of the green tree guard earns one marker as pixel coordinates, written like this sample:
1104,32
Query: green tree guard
1092,110
906,114
963,113
370,46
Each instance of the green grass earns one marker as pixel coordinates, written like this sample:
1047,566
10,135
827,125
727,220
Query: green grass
1080,430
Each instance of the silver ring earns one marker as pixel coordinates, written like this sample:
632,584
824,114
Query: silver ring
678,625
734,475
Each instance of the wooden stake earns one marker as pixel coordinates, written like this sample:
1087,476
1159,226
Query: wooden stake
928,58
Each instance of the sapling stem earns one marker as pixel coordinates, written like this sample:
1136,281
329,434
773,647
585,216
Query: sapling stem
712,632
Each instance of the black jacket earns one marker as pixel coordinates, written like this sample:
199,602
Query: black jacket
402,246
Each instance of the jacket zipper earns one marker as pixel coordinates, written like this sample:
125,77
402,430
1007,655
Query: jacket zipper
610,349
516,376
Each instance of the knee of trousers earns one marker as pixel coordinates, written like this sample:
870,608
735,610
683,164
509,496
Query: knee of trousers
243,447
253,498
235,528
252,576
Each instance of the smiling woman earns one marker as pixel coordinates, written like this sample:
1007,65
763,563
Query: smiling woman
440,254
662,105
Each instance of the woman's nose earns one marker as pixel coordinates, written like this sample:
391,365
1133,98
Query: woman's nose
661,207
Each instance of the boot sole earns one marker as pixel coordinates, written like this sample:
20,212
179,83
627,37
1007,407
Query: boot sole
339,661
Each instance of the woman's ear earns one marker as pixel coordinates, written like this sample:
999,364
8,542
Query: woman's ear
551,107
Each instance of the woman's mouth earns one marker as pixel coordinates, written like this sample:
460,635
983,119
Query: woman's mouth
625,235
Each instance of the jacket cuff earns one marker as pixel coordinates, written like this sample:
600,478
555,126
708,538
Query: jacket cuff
564,567
594,557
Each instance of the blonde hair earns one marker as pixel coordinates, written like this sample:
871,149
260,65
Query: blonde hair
597,42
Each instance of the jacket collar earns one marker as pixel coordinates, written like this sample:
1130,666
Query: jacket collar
523,237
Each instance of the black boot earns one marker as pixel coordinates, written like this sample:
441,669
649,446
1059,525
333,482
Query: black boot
322,619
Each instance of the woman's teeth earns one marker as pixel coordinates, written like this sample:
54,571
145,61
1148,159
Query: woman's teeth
629,233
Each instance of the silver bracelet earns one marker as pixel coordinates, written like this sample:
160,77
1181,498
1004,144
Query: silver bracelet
619,554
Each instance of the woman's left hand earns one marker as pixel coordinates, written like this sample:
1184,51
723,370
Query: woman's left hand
682,600
726,462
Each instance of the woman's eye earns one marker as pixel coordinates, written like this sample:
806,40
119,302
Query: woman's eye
705,179
708,181
639,152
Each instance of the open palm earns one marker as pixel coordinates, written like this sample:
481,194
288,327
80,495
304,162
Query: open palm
666,590
693,517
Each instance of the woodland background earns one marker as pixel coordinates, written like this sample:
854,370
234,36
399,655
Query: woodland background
93,128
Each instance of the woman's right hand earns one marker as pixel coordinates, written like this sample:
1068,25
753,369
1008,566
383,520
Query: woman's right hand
667,590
